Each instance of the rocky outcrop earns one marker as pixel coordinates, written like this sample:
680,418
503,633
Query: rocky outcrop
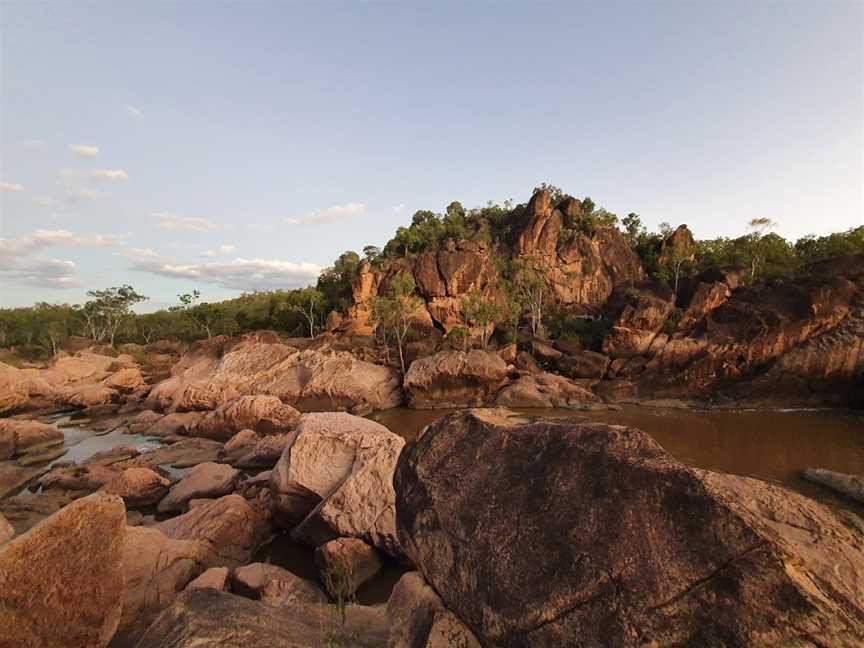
777,342
640,311
678,247
7,531
335,478
654,551
62,582
454,379
214,375
219,620
582,267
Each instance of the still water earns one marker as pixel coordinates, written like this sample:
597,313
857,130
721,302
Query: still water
771,445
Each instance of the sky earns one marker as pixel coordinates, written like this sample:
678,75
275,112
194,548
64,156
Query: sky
237,146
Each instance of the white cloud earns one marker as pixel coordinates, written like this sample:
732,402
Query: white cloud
44,201
179,223
20,260
134,112
222,249
96,175
329,215
11,186
240,274
83,193
398,209
84,150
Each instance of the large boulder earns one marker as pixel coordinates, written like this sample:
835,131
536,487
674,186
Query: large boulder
155,569
26,435
627,545
547,390
248,449
230,526
265,414
61,581
206,617
454,379
206,480
335,478
344,564
13,389
137,486
275,586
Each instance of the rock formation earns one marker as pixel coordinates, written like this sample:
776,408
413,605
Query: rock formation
555,533
61,582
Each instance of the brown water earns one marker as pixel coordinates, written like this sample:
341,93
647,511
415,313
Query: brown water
771,445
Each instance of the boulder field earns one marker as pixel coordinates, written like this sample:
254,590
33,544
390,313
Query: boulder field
522,531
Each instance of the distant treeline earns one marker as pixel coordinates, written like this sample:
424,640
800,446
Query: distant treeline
107,316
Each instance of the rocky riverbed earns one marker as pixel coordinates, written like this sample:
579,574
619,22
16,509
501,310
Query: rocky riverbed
231,498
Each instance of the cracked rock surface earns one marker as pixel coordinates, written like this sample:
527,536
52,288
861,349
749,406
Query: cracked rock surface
560,533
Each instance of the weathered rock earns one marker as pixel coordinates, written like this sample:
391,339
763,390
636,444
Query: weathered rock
653,551
232,527
454,379
61,582
508,353
219,620
126,380
344,564
185,453
13,389
7,531
849,485
13,478
266,414
449,632
546,390
526,362
112,455
678,247
706,298
212,375
336,479
583,364
216,578
640,311
7,443
28,435
137,486
247,449
176,423
204,480
275,585
545,353
155,569
87,478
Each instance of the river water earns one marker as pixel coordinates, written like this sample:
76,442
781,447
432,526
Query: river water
771,445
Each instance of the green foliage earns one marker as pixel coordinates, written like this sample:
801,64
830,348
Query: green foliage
561,325
482,312
394,312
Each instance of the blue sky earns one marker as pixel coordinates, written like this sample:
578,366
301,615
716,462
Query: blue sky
235,146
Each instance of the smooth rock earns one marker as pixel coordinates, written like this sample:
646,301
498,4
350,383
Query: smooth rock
275,586
454,379
137,486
